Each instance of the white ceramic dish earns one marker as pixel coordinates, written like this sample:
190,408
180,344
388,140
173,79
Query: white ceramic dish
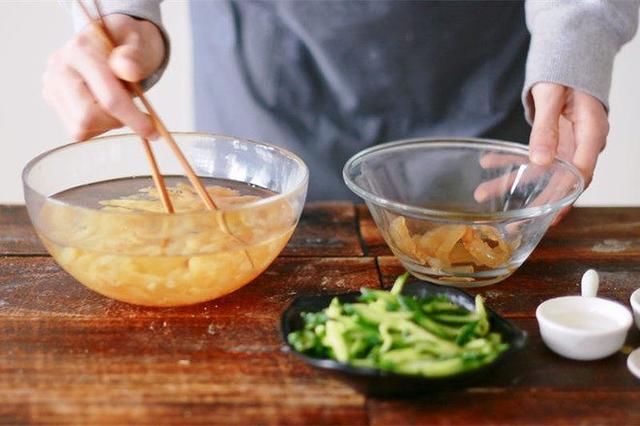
584,327
633,362
635,305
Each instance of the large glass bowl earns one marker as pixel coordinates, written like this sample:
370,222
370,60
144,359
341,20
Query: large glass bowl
84,200
461,212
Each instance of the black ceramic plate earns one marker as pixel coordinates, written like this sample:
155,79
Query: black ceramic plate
383,383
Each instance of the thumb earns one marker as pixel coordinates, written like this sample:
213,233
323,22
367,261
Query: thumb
129,62
548,101
140,47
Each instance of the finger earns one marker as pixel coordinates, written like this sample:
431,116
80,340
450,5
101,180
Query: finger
494,160
66,92
110,92
59,108
585,160
139,52
548,101
590,133
124,61
495,188
561,215
132,61
508,183
84,117
528,186
566,139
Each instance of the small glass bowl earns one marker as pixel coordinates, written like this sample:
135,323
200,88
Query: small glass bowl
461,212
150,257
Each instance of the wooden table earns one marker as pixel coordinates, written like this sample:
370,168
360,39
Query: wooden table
68,355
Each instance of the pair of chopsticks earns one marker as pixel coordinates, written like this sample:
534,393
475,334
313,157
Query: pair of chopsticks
103,31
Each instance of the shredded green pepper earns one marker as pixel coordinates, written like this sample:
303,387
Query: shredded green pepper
431,337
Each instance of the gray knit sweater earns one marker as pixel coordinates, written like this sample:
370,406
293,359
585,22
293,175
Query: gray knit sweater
329,78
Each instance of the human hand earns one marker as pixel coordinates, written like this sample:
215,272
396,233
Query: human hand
568,123
82,81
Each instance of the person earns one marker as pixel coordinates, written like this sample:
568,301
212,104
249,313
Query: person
327,79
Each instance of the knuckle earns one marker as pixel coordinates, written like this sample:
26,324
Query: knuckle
545,135
604,145
588,178
76,85
84,122
78,134
114,103
79,42
148,129
79,131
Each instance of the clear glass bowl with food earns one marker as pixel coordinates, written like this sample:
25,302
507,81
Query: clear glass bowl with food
95,208
461,212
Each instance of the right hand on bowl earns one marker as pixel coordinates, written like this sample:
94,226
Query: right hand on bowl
567,123
516,173
82,81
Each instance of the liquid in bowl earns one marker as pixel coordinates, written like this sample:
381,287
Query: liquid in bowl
586,321
127,249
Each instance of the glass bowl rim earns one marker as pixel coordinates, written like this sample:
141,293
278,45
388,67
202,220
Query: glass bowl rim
449,142
263,201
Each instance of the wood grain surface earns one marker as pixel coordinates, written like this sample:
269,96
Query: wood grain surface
17,236
71,356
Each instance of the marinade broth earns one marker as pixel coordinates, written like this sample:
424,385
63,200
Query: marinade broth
114,237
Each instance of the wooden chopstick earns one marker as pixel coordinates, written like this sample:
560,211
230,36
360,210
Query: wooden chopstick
160,127
103,31
158,179
191,175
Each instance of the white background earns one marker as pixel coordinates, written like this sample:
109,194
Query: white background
31,30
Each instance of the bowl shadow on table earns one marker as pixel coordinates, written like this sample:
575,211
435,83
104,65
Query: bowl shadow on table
377,383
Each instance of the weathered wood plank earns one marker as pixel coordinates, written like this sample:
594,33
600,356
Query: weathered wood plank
372,240
593,233
586,233
172,388
512,407
68,355
140,410
17,236
598,222
536,366
538,280
325,230
35,287
176,370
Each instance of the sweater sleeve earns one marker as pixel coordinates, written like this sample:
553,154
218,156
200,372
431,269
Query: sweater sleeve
148,10
574,43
